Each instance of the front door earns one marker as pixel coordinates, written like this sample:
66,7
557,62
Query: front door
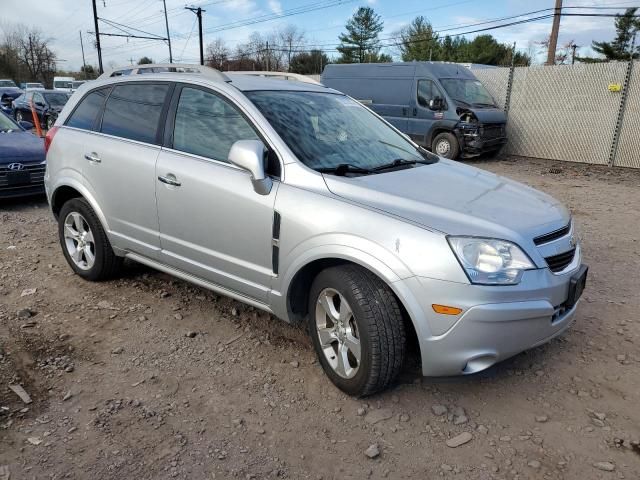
212,223
422,117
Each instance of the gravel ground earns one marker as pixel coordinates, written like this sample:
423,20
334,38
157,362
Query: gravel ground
148,377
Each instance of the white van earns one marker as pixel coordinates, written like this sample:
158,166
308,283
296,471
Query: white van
64,84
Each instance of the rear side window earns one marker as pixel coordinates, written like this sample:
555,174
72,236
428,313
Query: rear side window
133,111
207,125
85,114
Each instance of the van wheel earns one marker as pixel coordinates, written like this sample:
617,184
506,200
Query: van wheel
357,329
84,242
445,145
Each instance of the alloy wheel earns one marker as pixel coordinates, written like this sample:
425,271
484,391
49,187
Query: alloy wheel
79,241
338,333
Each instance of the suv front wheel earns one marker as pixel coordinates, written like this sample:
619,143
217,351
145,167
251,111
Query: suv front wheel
357,329
84,242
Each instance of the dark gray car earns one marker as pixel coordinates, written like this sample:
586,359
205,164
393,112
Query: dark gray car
441,106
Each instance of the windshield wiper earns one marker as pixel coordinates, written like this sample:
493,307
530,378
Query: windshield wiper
479,104
461,101
343,169
397,163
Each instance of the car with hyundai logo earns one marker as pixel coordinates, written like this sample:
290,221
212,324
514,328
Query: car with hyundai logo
22,159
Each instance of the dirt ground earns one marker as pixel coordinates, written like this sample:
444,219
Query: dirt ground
148,377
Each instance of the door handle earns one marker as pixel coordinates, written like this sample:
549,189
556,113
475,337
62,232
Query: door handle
92,157
170,179
415,112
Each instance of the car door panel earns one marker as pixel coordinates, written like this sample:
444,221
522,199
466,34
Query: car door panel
120,161
213,224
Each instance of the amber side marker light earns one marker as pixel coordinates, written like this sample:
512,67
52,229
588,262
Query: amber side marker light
444,310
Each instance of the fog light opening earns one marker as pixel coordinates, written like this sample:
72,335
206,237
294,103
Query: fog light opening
478,364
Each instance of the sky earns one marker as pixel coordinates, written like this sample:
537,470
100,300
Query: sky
64,21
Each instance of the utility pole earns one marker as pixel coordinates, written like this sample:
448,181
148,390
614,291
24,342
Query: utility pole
268,70
555,28
95,23
166,22
198,11
84,64
573,53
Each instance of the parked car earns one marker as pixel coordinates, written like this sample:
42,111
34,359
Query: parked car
9,91
33,86
47,103
441,106
22,159
299,201
76,84
64,84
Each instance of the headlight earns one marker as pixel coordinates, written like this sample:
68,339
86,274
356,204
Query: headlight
489,261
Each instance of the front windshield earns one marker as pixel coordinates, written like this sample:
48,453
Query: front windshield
56,99
468,91
7,83
6,124
326,130
62,84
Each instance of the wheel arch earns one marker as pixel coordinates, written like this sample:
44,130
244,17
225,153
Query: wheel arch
438,127
68,188
299,286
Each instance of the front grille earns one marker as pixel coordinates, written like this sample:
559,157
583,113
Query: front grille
559,262
492,131
36,175
551,236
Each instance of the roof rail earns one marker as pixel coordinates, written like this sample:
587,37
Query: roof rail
152,68
282,75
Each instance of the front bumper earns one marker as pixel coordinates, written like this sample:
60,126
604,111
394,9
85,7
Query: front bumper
496,322
472,145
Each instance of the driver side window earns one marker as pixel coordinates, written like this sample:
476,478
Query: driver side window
427,91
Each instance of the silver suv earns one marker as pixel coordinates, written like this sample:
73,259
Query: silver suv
298,200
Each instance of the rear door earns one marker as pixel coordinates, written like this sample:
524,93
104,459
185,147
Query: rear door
212,223
120,160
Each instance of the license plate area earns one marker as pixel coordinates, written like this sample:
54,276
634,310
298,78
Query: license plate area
15,179
577,285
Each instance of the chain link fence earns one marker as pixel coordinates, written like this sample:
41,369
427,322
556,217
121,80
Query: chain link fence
581,113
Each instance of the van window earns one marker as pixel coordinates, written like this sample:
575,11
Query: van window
208,125
427,91
84,116
133,111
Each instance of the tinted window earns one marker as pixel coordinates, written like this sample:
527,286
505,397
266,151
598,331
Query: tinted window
208,125
133,111
84,116
56,99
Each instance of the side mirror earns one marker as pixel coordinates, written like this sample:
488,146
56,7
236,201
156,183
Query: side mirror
250,156
26,125
436,103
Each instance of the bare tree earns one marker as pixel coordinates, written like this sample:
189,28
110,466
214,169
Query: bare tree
34,52
291,38
217,55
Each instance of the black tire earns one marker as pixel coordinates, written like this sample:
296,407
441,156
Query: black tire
49,121
379,323
106,264
449,140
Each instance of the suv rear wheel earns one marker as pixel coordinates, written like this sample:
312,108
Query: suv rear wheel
84,242
445,145
357,329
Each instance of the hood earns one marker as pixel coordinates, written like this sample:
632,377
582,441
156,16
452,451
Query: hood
484,115
20,146
456,199
13,92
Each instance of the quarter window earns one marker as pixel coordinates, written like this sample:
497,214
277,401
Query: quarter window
133,111
85,114
208,125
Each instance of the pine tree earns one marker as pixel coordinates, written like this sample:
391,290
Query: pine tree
621,48
360,43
